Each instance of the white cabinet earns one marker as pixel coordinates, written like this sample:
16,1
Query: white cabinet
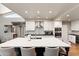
72,38
57,23
30,25
48,25
65,33
75,25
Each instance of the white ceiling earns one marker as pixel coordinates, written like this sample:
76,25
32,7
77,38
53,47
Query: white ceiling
4,9
59,10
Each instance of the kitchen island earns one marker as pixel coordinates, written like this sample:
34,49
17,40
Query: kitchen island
43,41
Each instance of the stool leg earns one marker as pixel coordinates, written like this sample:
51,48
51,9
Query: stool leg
67,50
39,51
18,51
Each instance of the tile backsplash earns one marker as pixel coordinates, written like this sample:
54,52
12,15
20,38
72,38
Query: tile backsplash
36,31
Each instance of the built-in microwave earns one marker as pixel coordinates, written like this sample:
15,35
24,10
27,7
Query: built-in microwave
58,32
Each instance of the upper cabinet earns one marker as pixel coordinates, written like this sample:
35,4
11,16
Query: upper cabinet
48,25
30,25
75,25
57,24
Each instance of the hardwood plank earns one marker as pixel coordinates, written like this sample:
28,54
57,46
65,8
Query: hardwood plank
74,50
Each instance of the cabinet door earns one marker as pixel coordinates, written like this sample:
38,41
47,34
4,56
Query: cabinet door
48,25
30,25
75,25
72,38
57,23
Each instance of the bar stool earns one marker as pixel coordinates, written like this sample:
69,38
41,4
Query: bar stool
63,51
51,51
27,51
7,52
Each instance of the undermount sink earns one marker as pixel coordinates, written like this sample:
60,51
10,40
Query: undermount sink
33,37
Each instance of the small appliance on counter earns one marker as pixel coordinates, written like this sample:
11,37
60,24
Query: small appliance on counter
48,32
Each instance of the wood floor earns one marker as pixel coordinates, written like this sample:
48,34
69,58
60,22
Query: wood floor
74,50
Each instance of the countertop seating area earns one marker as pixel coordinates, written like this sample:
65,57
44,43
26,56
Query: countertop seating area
54,51
29,51
49,51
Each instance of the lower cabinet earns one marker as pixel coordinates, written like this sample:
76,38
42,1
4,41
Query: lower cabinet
77,38
72,38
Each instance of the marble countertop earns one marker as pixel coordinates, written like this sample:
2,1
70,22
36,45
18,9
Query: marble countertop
74,33
46,41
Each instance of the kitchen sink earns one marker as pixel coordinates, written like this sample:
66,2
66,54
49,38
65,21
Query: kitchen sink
35,37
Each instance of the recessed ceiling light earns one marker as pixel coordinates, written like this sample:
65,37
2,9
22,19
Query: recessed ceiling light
58,19
38,12
26,11
67,15
50,12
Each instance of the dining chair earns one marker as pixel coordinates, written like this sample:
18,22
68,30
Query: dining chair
51,51
7,52
28,51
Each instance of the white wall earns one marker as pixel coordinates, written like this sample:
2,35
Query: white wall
4,36
20,31
7,21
